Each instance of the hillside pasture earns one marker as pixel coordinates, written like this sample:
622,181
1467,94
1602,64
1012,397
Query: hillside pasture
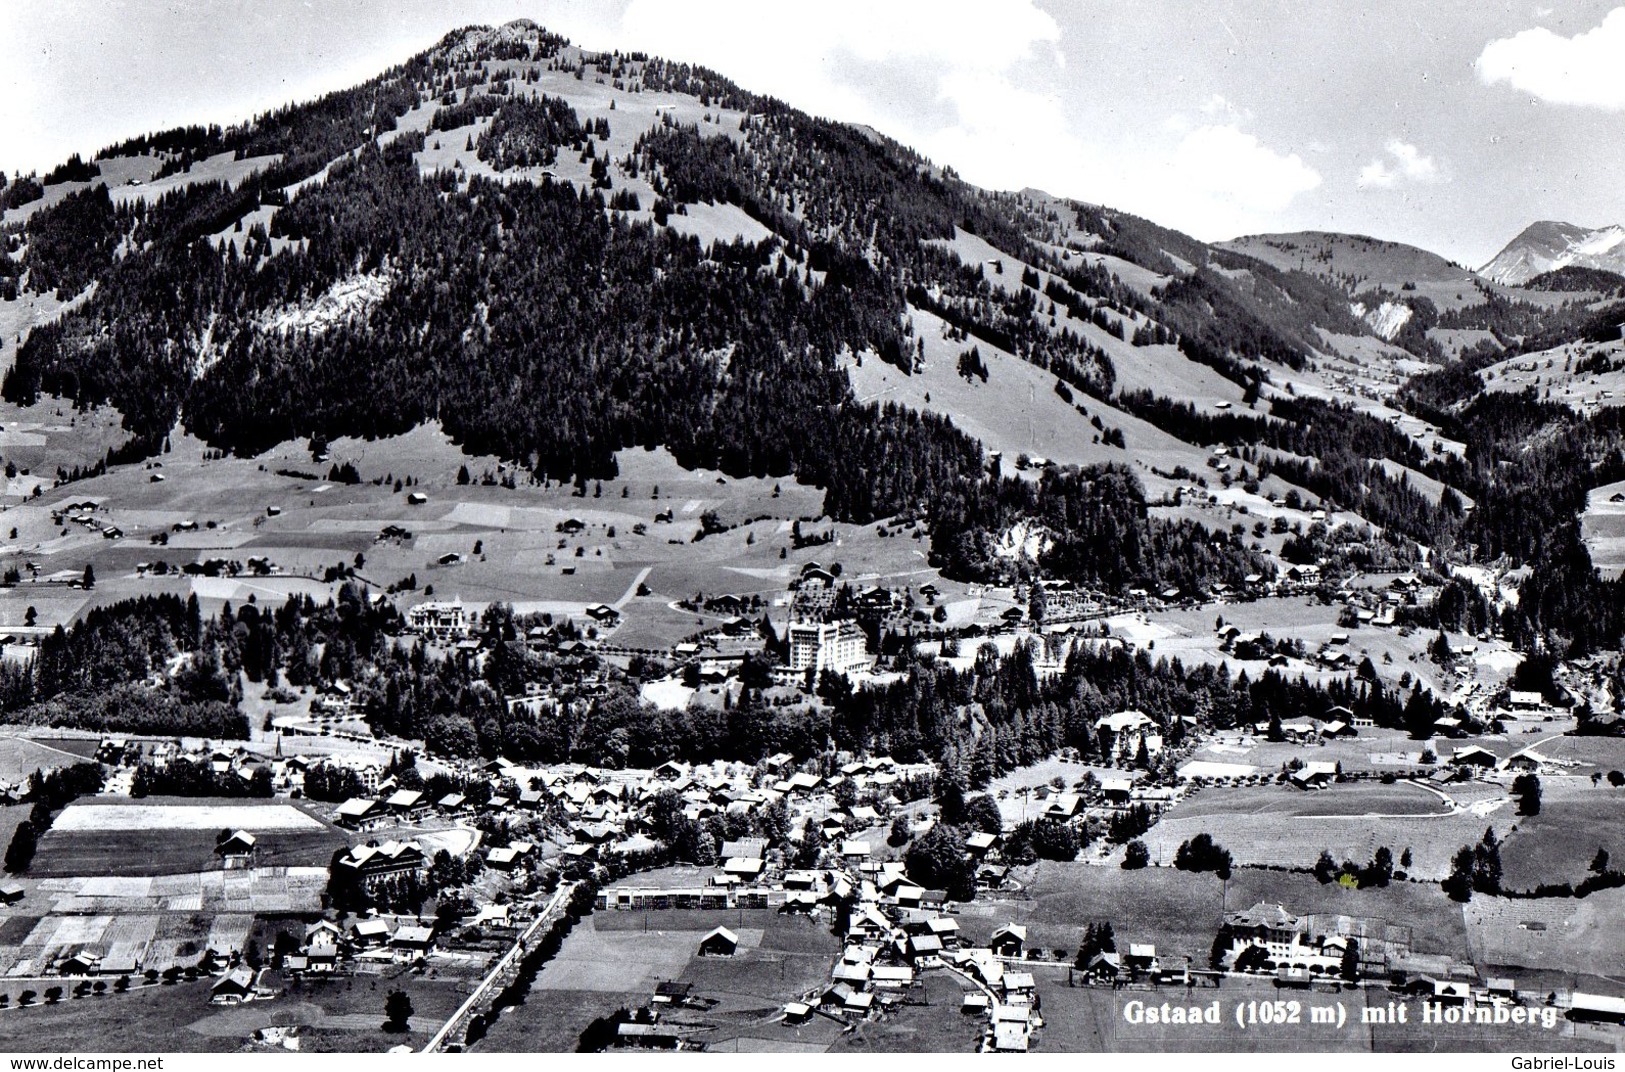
161,836
1558,845
1344,799
1295,836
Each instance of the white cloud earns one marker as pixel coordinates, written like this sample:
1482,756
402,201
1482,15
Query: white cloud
1409,164
1227,163
1219,105
1582,70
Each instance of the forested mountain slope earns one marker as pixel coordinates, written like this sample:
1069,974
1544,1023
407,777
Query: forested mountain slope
558,254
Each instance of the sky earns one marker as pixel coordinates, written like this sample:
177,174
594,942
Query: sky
1450,124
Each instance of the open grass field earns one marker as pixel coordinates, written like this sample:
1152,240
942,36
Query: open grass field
153,814
342,1015
149,1019
1559,844
22,756
170,852
1562,934
610,960
1345,799
1293,833
1180,912
176,836
281,507
935,1027
551,1021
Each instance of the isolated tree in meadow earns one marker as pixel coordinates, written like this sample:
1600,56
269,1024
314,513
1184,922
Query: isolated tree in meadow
397,1011
1136,856
1458,885
90,577
20,853
1599,862
1381,869
1526,787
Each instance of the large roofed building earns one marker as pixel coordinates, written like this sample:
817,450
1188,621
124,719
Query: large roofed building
835,646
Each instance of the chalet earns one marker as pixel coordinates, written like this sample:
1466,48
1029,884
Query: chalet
234,988
720,942
855,850
992,876
744,868
356,812
1520,700
1298,729
1526,761
11,893
1008,940
1019,988
669,993
980,843
369,933
407,802
1106,965
236,850
1064,806
507,857
1473,756
924,949
452,803
797,1012
1315,775
1012,1028
369,863
84,962
1117,790
891,977
411,942
855,976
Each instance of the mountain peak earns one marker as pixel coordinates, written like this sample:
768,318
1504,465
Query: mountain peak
1548,245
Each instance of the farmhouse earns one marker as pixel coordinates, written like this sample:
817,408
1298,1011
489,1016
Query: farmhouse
373,862
236,850
235,987
1008,940
720,942
1315,775
1473,756
356,811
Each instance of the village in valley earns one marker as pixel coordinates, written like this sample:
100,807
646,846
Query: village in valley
631,566
814,900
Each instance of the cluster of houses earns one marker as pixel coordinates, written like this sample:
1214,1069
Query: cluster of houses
363,944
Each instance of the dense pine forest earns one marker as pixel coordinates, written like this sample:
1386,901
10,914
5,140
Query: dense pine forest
554,324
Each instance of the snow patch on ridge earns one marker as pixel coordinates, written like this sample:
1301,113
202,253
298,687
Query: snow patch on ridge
1387,319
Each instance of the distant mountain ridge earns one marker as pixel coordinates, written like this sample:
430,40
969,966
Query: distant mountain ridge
1549,245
